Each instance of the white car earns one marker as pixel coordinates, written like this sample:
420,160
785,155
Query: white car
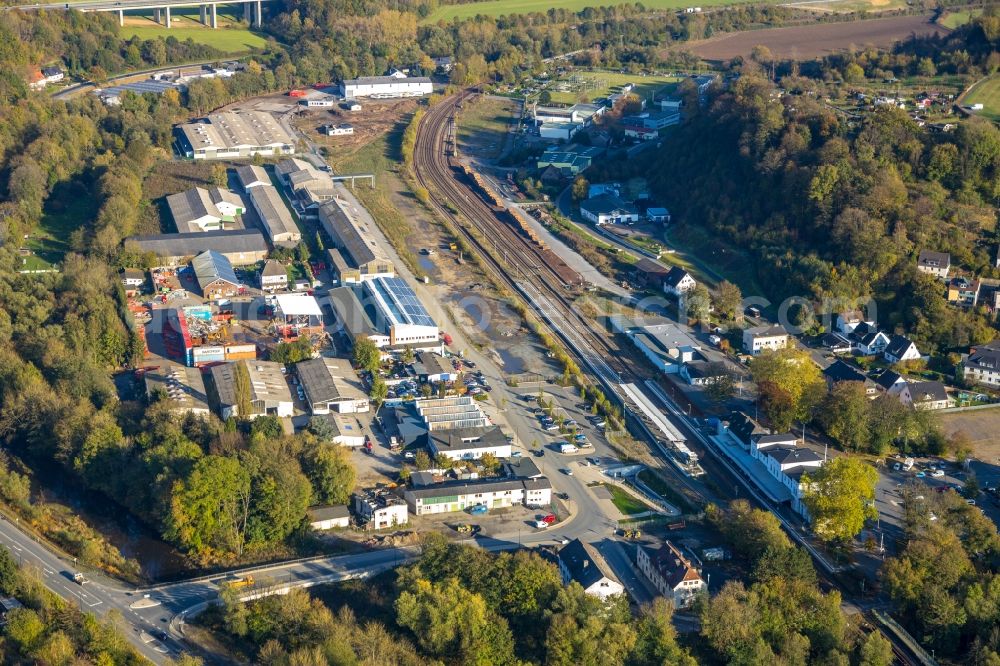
937,472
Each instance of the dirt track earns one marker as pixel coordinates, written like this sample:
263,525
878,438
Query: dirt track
813,41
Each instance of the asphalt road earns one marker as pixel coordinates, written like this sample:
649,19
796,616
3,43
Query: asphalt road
162,608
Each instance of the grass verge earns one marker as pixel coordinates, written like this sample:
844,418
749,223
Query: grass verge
624,502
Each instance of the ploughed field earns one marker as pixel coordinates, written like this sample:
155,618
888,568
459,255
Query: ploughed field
814,41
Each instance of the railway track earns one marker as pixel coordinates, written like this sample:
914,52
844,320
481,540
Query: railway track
515,260
518,263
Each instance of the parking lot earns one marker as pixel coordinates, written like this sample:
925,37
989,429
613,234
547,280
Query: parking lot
932,475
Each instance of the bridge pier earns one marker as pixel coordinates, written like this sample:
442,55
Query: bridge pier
156,14
168,16
203,14
259,20
121,17
215,18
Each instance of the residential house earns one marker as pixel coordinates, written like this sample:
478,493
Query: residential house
583,563
671,573
678,281
269,392
45,76
982,366
762,338
331,385
837,343
215,275
872,343
963,291
841,371
328,517
469,443
899,349
379,508
925,396
934,263
608,209
849,320
273,276
890,382
649,273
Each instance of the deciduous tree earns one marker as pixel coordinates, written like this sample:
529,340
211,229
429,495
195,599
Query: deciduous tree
840,497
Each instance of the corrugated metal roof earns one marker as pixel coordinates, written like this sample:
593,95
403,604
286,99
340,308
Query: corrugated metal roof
210,266
273,212
189,244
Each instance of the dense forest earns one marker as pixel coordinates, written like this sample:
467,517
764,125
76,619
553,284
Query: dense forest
836,208
462,605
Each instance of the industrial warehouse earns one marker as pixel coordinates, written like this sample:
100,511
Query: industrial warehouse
386,311
355,256
234,134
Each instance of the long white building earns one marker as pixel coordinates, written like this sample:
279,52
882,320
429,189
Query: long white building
386,87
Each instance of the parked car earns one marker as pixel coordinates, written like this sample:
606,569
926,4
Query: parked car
549,519
937,473
479,510
541,524
567,471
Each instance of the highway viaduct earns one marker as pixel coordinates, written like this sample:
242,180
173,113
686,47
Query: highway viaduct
160,8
